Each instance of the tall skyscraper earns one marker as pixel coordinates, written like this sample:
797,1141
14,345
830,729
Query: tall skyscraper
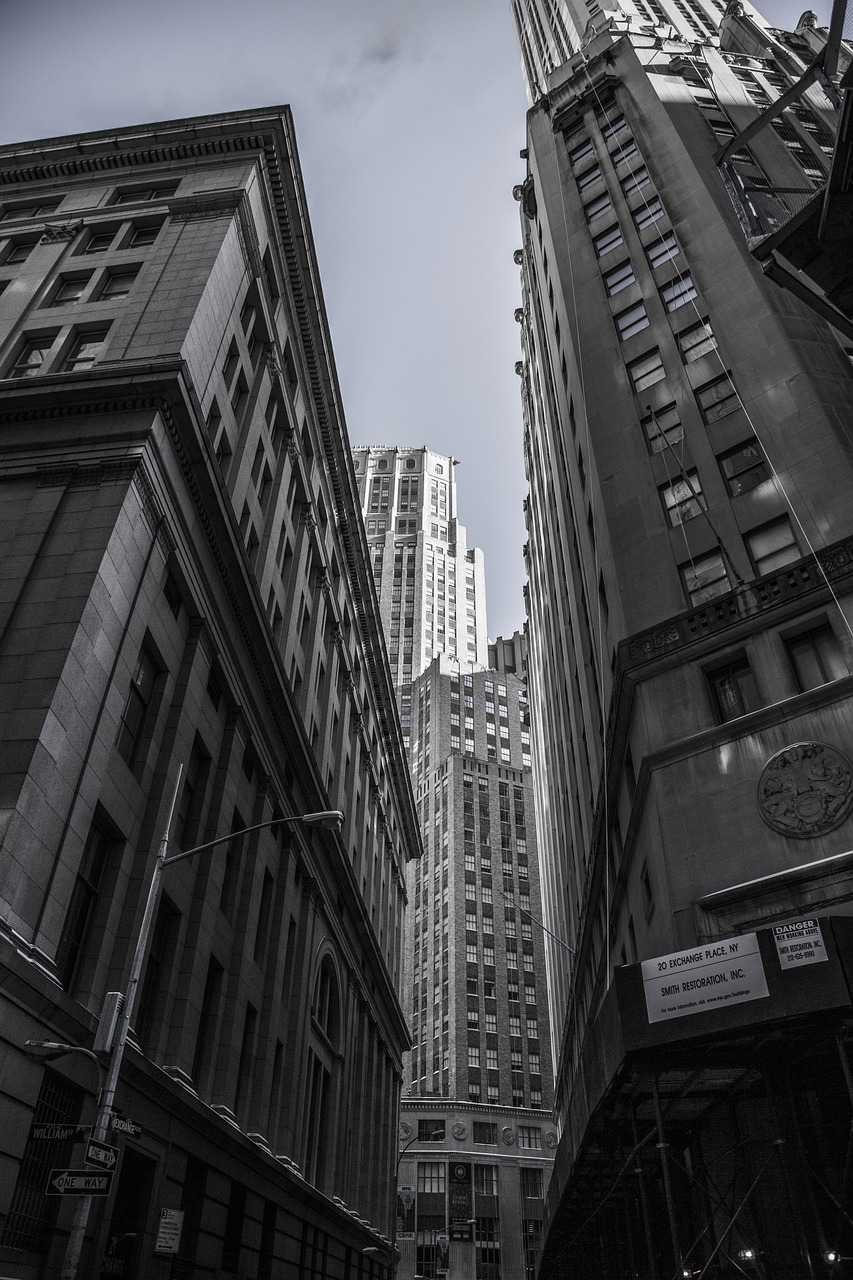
476,1138
432,593
186,583
688,448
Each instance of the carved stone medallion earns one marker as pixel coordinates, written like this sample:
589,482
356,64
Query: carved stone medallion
508,1135
459,1131
806,790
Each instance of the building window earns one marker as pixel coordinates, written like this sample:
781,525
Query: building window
607,240
744,468
717,399
486,1179
597,208
705,577
632,321
772,546
646,370
68,290
137,707
432,1177
663,429
85,350
35,209
587,178
138,195
143,236
431,1130
733,690
816,657
636,181
648,213
660,251
626,152
615,126
31,357
485,1134
101,848
618,278
681,499
117,284
696,341
99,241
530,1137
18,251
531,1184
678,291
581,152
473,1055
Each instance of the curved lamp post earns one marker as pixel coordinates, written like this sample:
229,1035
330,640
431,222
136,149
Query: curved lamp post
329,819
436,1133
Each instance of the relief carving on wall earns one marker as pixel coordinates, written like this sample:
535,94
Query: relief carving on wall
508,1135
806,790
459,1131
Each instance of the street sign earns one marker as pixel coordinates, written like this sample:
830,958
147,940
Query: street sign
101,1154
61,1132
78,1182
169,1230
121,1124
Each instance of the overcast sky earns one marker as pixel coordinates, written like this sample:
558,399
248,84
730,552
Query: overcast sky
409,115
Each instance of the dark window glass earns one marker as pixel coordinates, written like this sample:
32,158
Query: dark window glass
744,467
816,657
135,714
431,1130
734,691
101,846
31,357
773,546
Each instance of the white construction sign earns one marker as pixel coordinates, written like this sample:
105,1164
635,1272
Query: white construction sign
710,976
799,943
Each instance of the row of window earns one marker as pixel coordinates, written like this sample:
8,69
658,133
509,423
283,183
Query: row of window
770,548
433,1129
815,659
95,240
46,206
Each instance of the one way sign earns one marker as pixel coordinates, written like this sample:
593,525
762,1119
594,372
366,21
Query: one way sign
101,1154
78,1182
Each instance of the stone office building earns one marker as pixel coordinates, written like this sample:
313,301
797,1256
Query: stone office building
186,582
688,448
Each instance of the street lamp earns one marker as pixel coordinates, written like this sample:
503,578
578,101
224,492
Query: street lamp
328,819
432,1137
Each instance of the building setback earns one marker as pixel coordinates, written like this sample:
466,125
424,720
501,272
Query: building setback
687,445
476,1142
186,582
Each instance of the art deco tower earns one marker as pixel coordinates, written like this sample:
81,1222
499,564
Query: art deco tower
688,441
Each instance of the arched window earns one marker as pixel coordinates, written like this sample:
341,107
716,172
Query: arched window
323,1077
325,1008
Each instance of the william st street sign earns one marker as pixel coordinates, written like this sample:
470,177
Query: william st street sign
78,1182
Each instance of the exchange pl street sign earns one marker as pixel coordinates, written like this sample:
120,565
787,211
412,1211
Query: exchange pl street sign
710,976
78,1182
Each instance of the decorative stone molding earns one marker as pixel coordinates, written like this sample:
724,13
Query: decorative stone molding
508,1135
459,1131
805,790
406,1130
58,233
